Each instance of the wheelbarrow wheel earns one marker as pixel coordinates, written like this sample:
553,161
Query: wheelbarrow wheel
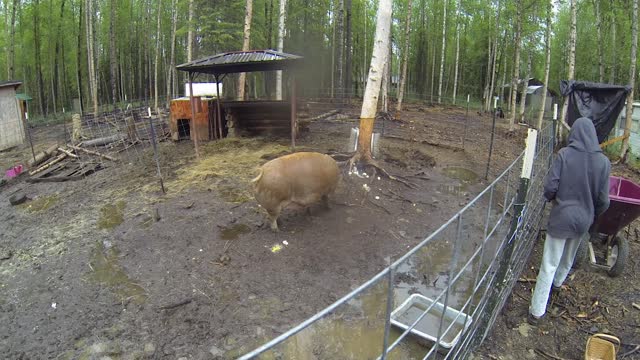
582,255
617,256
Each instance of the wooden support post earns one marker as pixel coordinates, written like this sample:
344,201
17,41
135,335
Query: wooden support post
218,112
193,132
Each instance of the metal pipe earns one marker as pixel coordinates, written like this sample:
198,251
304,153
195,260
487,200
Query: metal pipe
387,321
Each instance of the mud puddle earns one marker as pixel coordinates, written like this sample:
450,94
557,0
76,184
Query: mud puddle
234,232
106,270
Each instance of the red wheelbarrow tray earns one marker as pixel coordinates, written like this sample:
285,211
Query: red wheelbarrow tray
624,207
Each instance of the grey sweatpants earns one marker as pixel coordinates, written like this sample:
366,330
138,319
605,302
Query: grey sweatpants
557,260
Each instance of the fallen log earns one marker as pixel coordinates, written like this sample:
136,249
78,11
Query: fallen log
325,115
103,140
42,156
92,152
47,165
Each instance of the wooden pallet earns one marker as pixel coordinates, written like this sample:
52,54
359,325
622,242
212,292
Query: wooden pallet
66,171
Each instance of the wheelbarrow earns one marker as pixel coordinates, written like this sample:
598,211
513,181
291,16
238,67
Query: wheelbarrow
624,207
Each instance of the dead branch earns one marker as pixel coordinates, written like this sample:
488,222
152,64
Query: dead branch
48,165
92,152
635,306
324,116
69,153
175,305
43,155
630,352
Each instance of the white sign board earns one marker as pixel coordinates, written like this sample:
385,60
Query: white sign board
202,89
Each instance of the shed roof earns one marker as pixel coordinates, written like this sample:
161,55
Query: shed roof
242,61
10,83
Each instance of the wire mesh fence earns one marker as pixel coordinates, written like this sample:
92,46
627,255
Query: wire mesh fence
448,289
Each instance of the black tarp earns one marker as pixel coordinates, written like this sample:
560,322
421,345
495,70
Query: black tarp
601,103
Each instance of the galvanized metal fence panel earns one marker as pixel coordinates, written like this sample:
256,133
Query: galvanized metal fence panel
458,266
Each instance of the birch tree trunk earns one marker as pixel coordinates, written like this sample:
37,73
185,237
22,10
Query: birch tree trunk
405,60
339,45
93,83
347,51
246,40
370,99
492,83
157,60
486,96
384,89
547,65
112,46
281,19
12,41
442,52
572,57
516,66
36,32
433,72
171,78
614,53
632,81
79,58
457,63
190,33
523,92
600,44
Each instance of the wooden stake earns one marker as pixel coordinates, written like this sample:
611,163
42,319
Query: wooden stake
93,152
68,152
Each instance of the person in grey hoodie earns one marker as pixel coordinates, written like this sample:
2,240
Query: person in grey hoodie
578,187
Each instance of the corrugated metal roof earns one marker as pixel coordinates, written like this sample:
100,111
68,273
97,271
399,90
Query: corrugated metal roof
241,61
13,83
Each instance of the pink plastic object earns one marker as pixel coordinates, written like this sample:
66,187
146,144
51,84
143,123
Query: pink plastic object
624,196
14,171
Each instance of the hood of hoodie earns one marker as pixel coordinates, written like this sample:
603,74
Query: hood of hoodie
582,136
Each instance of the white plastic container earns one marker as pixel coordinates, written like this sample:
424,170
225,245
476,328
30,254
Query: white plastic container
427,328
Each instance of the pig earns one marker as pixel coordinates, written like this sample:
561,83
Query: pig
301,179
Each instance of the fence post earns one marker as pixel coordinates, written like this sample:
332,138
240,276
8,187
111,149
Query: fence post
505,263
387,322
493,131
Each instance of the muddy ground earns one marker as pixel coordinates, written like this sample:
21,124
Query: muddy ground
109,266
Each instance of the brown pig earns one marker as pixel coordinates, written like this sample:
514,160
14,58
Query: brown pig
300,178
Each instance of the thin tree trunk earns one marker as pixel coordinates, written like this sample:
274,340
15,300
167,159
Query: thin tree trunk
523,96
171,79
347,50
433,71
190,33
246,40
572,57
93,84
12,39
632,81
112,60
370,99
600,44
492,82
281,22
339,79
442,52
485,95
547,65
516,66
56,74
333,47
457,63
79,59
36,35
405,60
157,59
614,52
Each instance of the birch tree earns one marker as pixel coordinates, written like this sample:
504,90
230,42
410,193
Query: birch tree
516,65
112,47
492,82
457,61
442,52
93,83
157,59
372,90
632,81
190,32
12,39
572,58
405,60
547,65
281,18
245,46
339,46
523,92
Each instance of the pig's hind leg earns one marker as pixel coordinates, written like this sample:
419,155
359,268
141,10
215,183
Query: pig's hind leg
273,216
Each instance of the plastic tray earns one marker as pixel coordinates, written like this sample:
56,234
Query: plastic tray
401,319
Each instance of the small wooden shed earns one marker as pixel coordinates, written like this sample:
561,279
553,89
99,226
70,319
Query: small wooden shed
12,126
